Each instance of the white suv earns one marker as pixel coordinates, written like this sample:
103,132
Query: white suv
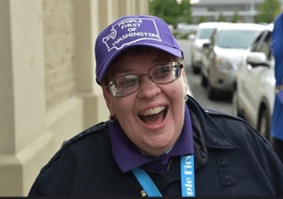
203,34
222,55
255,91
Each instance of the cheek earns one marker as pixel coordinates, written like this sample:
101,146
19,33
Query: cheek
176,89
124,106
172,92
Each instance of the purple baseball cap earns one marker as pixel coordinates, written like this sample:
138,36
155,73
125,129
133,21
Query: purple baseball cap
129,31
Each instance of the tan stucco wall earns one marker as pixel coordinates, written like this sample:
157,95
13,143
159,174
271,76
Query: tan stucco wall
59,51
47,79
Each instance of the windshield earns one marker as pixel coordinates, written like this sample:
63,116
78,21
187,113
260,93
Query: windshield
241,39
205,33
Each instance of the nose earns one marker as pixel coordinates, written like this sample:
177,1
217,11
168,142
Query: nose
148,88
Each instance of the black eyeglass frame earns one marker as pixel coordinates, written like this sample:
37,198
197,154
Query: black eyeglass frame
172,64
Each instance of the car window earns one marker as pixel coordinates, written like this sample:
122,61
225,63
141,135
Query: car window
240,39
257,42
265,46
204,33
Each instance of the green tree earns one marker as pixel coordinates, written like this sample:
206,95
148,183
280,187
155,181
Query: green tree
168,10
267,11
221,17
171,11
236,17
202,19
185,11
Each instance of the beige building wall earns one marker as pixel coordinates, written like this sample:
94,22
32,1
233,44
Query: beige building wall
47,79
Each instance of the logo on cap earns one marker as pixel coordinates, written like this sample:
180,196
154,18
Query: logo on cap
129,31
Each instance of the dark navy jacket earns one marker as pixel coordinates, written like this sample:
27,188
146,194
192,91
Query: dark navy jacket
231,159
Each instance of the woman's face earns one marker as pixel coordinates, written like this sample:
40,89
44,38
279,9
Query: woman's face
152,117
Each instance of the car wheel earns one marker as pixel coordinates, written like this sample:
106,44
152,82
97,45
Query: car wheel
203,80
196,69
210,91
263,126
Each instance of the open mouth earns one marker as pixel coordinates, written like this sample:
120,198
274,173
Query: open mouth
154,116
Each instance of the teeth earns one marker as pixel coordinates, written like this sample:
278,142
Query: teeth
153,111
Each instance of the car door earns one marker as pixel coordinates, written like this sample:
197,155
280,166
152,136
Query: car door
243,79
253,85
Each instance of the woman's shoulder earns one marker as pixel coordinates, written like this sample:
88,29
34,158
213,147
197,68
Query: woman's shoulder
92,140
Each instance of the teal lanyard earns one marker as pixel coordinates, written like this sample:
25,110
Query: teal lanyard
187,179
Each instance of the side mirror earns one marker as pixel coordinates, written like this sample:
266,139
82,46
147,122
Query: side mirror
256,59
192,37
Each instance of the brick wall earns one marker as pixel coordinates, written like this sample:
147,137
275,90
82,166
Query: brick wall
59,51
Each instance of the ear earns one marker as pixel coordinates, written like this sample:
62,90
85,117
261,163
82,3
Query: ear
108,99
184,82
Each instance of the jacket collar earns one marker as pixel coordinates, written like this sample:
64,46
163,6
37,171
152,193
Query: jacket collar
206,133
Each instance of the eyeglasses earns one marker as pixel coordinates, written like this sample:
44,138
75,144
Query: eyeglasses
128,84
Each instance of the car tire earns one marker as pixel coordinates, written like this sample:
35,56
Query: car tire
210,91
196,69
203,80
263,126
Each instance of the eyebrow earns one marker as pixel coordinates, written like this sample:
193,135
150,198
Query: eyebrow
158,60
123,71
162,59
119,72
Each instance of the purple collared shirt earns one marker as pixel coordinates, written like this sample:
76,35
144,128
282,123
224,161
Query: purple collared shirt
128,157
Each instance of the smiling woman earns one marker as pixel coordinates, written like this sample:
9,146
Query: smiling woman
149,110
157,132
